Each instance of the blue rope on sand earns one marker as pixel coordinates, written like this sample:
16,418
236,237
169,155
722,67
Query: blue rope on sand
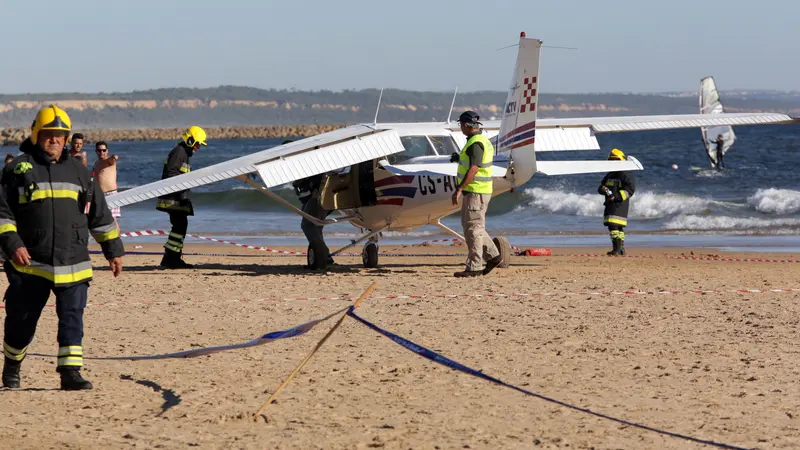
447,362
299,330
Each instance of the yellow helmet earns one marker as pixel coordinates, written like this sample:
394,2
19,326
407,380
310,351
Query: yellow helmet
50,118
616,154
194,135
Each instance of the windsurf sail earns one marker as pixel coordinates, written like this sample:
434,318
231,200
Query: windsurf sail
710,104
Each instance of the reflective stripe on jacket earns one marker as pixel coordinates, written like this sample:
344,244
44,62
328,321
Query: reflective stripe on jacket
177,163
622,186
43,208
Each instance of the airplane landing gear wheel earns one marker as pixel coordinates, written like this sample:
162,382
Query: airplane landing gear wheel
370,255
317,256
505,250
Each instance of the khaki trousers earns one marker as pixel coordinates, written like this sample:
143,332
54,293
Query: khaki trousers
473,219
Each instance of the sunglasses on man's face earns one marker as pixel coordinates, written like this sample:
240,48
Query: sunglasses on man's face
101,150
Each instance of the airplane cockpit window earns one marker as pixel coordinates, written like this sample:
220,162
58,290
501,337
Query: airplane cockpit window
444,145
415,146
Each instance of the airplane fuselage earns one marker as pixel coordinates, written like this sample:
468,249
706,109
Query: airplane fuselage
405,202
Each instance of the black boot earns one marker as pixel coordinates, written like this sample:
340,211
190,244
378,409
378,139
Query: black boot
181,264
617,246
621,247
165,261
172,260
71,380
11,373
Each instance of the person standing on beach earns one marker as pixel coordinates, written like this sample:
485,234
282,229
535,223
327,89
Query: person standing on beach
475,186
178,205
307,191
76,149
618,188
105,172
48,207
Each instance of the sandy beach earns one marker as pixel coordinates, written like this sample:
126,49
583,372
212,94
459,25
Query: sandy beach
719,365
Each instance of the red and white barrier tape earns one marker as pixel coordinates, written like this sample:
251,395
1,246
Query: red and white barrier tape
513,247
143,233
252,247
398,247
691,258
256,247
447,296
388,252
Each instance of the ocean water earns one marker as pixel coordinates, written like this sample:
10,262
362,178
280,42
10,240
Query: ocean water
754,204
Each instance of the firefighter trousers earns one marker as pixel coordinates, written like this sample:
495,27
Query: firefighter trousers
617,232
180,223
25,299
313,232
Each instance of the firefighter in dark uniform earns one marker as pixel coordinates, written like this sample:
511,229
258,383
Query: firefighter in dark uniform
307,190
618,188
48,206
178,204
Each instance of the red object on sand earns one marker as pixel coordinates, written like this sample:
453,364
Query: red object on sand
538,252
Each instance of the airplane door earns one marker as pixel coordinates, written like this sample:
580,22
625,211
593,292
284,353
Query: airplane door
352,188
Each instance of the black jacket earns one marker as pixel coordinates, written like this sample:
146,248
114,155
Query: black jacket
177,163
622,186
306,186
27,146
43,208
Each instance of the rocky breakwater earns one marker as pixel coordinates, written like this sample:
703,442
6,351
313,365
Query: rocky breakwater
14,136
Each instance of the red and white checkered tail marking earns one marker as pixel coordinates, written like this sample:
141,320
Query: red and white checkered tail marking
528,102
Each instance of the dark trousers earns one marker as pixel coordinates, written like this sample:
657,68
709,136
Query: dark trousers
180,223
312,231
25,299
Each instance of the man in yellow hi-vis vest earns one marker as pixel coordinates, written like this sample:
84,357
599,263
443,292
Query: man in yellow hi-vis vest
475,186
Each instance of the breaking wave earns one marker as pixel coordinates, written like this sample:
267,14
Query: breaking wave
647,205
775,201
691,222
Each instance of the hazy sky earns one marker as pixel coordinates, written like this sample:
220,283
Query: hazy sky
623,45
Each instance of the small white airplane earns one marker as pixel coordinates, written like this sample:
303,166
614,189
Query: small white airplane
398,176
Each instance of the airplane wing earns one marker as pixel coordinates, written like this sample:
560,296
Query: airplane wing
662,122
639,123
279,165
576,167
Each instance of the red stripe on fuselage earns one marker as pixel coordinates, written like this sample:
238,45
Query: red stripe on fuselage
526,127
390,201
401,179
523,143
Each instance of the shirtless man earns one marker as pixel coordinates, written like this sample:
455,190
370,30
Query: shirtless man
76,149
105,172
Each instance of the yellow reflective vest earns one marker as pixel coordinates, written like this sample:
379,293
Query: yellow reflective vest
482,184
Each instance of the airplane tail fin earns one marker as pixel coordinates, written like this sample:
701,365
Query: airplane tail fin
518,126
